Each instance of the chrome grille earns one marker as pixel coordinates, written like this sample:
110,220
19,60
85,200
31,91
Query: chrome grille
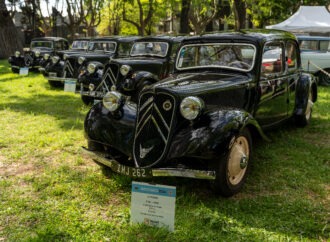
68,69
153,128
110,75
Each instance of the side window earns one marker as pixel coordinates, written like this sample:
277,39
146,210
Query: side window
272,59
291,51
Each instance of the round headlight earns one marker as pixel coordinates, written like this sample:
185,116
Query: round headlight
112,100
65,56
46,56
191,107
91,68
17,53
124,69
37,53
55,59
81,60
91,87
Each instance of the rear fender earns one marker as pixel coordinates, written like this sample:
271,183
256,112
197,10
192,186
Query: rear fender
306,83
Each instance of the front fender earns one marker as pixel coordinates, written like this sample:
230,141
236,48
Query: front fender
210,136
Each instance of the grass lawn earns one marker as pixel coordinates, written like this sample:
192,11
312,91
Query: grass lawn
50,192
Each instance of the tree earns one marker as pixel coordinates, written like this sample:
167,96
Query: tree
184,17
9,40
92,17
201,13
143,19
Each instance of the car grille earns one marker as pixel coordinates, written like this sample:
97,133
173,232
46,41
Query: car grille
28,59
71,68
110,75
153,128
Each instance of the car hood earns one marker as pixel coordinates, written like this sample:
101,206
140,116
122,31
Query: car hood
199,83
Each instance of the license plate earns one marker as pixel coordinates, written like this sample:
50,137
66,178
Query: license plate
132,172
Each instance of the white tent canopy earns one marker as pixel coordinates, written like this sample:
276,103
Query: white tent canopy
308,19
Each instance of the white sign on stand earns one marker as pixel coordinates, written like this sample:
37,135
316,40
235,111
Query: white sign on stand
24,71
153,205
69,86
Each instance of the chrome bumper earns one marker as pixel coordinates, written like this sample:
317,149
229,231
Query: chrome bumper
147,172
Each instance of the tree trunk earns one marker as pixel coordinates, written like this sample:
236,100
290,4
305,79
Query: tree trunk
184,18
9,38
240,14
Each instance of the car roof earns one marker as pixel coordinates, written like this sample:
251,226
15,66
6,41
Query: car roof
117,38
251,35
49,39
163,38
307,37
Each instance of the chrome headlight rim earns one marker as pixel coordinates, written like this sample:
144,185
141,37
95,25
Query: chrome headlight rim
55,59
125,69
112,100
191,107
37,53
46,56
81,60
91,68
17,53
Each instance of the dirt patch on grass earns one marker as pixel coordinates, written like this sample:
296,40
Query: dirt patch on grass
16,169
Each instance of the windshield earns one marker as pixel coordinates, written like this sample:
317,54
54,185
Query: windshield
80,44
124,49
41,44
107,46
150,49
216,55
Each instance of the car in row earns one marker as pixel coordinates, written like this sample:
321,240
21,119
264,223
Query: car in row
32,57
225,91
149,60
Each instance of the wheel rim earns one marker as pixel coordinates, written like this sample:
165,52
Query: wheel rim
238,160
309,106
324,79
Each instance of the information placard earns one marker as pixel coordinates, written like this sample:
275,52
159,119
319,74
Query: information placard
24,71
153,205
69,86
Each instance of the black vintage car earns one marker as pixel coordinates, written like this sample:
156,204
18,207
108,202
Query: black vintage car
99,50
78,45
228,89
151,59
32,56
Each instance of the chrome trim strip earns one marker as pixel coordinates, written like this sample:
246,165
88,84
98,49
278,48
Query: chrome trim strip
63,79
159,131
158,172
180,172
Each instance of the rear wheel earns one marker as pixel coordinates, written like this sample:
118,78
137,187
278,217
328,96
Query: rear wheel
232,169
304,119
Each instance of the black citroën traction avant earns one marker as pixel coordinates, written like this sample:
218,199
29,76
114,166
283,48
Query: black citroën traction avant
200,122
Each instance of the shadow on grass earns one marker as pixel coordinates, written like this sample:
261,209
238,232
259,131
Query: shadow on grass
66,108
275,200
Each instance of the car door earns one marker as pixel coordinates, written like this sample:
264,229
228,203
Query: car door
273,83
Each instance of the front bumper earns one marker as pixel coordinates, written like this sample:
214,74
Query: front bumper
147,172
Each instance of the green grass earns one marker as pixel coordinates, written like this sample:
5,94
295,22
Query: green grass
50,192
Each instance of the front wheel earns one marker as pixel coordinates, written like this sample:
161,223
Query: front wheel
87,100
15,70
232,169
